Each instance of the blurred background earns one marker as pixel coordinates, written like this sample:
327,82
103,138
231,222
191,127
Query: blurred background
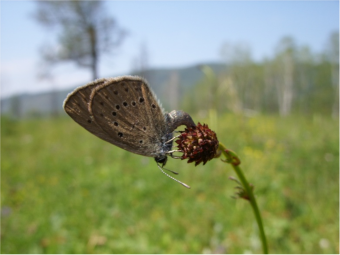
263,75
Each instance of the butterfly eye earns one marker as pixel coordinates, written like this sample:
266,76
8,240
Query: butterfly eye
133,103
114,113
115,123
120,134
153,106
117,107
141,100
125,104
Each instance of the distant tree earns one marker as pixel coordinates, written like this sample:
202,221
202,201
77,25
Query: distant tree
333,57
305,85
16,107
240,74
140,63
283,68
55,103
172,90
209,85
270,104
203,99
144,60
86,32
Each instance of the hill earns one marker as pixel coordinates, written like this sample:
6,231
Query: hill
164,81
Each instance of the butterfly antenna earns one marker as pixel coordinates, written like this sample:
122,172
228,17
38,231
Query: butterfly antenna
185,185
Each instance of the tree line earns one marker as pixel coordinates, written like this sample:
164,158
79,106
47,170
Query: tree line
294,80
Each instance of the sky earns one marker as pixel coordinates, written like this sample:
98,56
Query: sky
175,34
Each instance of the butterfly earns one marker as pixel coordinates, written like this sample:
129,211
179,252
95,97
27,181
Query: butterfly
125,111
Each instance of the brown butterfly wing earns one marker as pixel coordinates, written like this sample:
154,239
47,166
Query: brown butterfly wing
127,110
76,106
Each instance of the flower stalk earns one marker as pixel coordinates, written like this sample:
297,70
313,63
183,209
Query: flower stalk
200,144
233,159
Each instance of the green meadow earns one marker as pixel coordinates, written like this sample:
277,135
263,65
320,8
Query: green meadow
66,191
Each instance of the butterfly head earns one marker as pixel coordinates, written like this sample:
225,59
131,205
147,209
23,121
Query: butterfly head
166,146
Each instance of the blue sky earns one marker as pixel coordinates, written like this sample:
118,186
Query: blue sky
176,34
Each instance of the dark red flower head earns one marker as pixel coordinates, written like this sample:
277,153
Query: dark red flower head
199,144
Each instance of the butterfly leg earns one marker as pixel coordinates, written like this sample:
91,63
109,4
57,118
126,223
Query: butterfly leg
172,139
169,152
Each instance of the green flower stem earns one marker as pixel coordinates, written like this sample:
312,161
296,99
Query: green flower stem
233,159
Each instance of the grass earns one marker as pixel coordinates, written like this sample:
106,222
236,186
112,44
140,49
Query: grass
66,191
